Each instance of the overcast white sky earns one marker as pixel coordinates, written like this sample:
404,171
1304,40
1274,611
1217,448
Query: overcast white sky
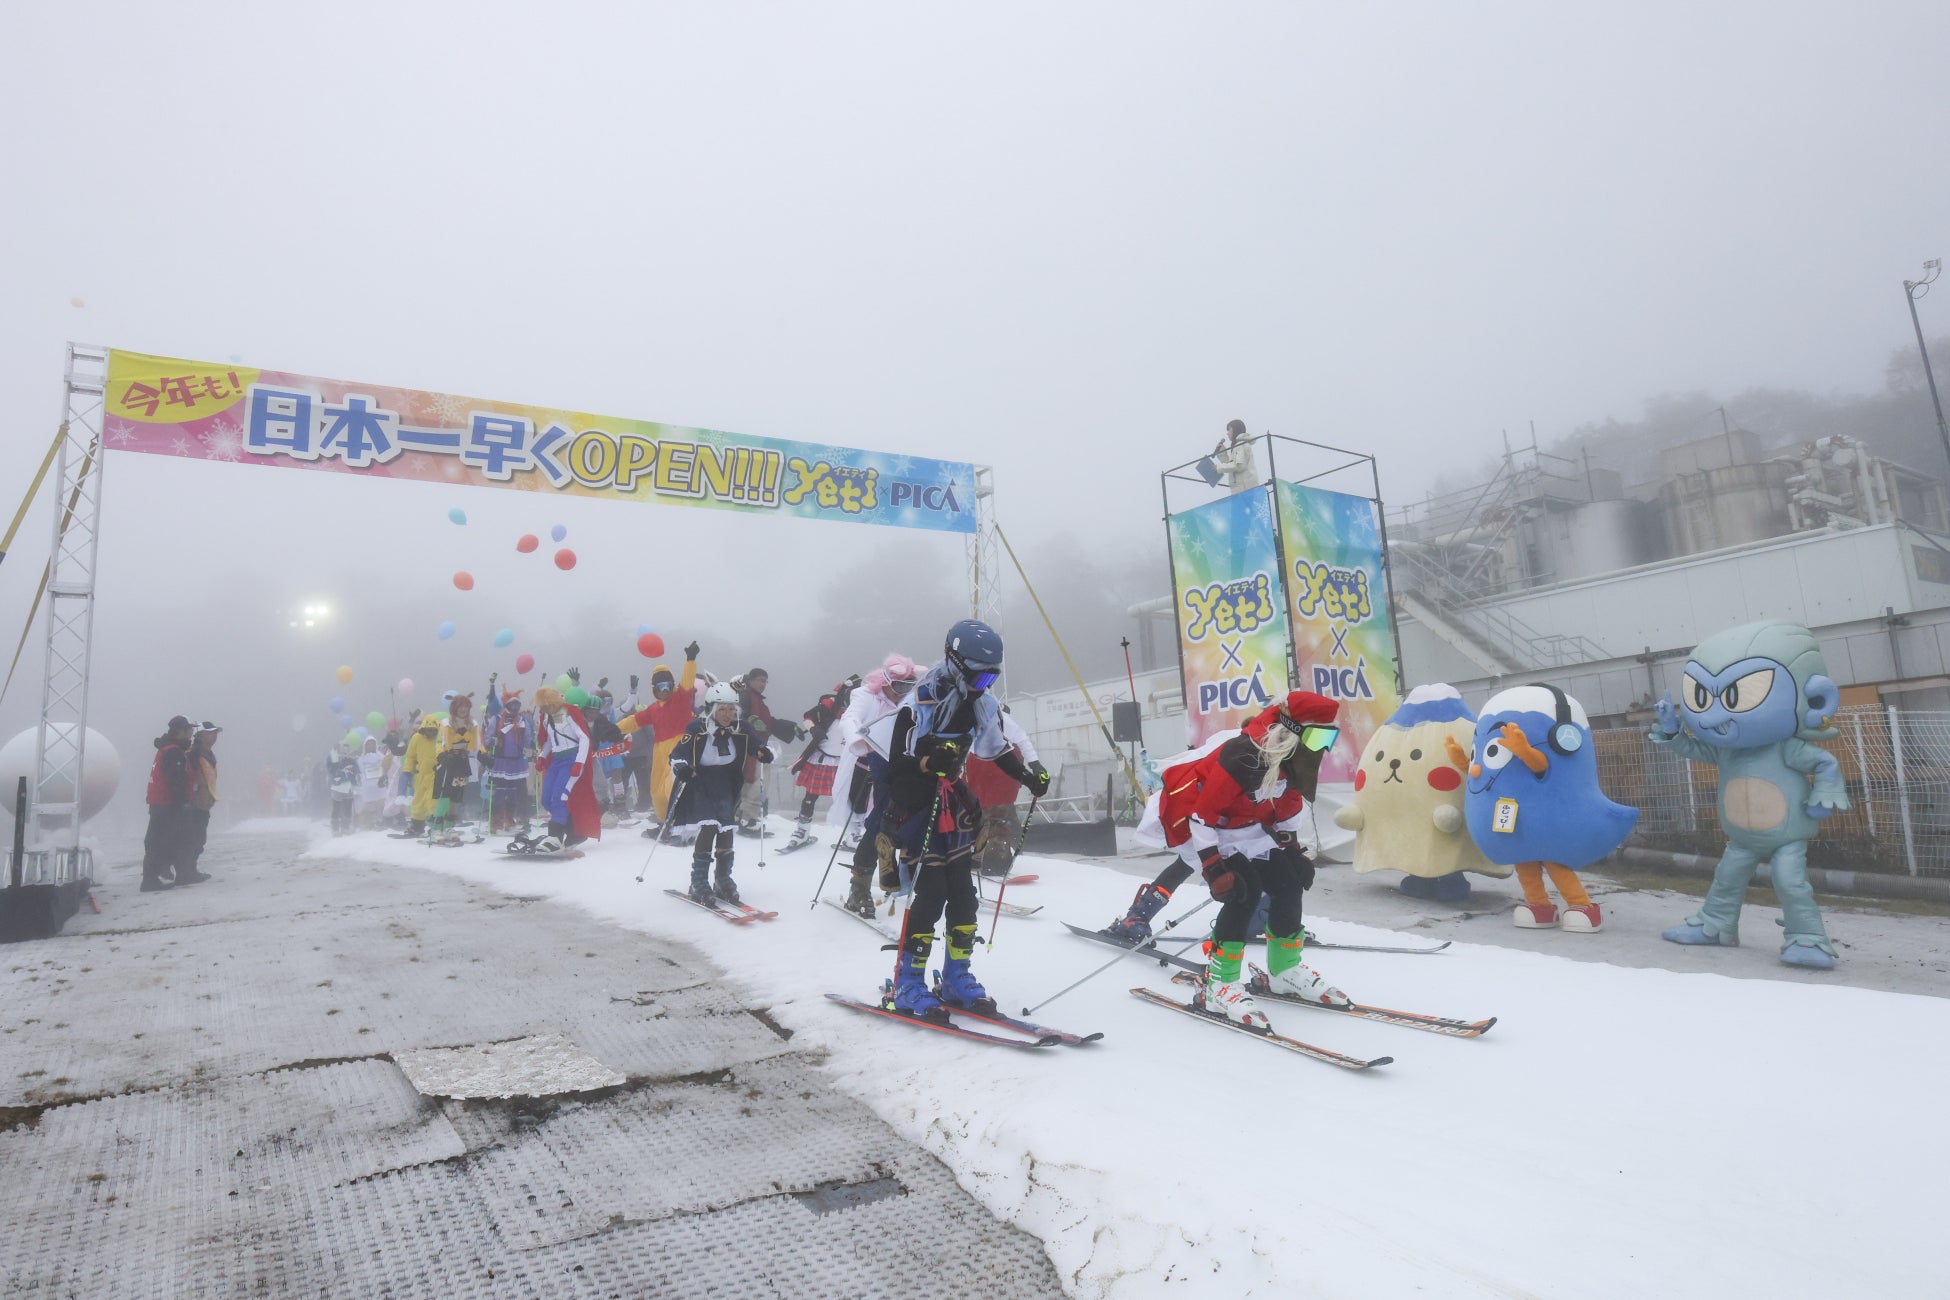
1068,240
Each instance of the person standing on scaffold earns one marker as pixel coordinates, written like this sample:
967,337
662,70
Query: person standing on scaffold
931,821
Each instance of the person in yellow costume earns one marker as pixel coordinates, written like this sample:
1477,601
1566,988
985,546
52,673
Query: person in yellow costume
666,716
422,756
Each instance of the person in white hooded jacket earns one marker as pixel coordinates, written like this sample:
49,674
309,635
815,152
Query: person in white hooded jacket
863,763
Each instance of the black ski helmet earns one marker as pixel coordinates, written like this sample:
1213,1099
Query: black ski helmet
974,650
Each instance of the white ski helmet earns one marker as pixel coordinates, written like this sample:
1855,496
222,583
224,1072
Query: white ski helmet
721,693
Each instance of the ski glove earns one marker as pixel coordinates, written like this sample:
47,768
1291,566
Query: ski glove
679,769
1228,877
690,653
1296,860
1039,781
940,756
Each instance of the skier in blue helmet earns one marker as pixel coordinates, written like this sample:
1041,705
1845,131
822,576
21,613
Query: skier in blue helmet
930,832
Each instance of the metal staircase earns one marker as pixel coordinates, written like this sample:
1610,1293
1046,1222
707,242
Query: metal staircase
1454,600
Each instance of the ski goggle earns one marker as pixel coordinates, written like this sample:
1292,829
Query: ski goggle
982,680
898,687
1318,740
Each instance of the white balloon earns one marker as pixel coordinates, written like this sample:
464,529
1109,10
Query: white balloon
101,770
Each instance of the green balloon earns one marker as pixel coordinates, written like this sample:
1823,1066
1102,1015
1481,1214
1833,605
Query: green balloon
376,720
563,683
577,696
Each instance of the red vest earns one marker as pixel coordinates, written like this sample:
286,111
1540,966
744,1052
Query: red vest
159,791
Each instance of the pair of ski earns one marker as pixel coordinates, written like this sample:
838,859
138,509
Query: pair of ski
736,913
986,1013
1191,972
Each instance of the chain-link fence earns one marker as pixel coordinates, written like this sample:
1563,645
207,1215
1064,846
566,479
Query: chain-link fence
1896,764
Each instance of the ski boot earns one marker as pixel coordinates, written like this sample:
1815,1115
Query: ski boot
1535,916
1289,977
800,837
191,876
1588,919
700,891
1225,994
154,884
1135,926
957,986
859,896
725,887
1694,935
910,993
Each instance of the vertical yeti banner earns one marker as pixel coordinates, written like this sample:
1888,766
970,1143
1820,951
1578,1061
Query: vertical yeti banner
1231,624
1341,637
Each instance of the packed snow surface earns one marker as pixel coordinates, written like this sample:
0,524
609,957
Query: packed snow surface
1619,1133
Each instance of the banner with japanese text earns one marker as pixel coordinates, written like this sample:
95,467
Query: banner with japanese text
1231,617
1342,639
214,412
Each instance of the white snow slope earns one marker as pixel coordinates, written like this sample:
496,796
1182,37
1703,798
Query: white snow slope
1619,1133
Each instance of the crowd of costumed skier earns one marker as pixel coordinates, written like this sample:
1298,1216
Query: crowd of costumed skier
924,766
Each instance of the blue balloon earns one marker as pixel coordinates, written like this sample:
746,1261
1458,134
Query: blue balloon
338,705
558,532
457,515
445,630
644,629
505,637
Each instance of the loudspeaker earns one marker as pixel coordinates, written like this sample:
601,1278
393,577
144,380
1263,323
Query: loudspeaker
1126,722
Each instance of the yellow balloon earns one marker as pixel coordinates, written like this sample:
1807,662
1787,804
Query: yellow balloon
345,675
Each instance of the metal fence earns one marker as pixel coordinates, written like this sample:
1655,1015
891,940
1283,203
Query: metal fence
1896,764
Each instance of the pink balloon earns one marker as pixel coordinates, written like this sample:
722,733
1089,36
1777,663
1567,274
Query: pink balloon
565,559
524,663
527,543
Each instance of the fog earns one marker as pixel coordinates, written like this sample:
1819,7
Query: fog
1069,242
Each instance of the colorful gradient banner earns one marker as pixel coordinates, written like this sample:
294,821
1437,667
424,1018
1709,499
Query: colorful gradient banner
204,411
1342,639
1231,616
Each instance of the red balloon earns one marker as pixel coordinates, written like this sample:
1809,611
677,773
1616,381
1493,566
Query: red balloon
464,580
524,663
650,645
565,559
527,543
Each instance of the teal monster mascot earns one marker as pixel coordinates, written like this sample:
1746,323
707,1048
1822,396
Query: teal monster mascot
1753,698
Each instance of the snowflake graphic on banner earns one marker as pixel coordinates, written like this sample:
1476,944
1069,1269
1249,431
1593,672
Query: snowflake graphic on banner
224,441
121,433
179,446
449,410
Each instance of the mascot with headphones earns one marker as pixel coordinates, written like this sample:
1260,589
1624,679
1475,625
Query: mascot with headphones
1532,802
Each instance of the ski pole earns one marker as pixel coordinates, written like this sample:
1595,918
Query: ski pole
764,811
834,857
663,831
1014,853
1028,1011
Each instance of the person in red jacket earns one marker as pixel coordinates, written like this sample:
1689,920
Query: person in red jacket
165,846
666,716
1233,814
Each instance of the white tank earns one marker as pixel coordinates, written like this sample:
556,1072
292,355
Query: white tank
101,770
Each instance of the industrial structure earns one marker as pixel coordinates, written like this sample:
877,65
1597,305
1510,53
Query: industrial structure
1564,568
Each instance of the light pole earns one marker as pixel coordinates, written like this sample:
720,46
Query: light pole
1915,289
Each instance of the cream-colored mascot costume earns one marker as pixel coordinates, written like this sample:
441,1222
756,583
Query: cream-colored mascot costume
1407,813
